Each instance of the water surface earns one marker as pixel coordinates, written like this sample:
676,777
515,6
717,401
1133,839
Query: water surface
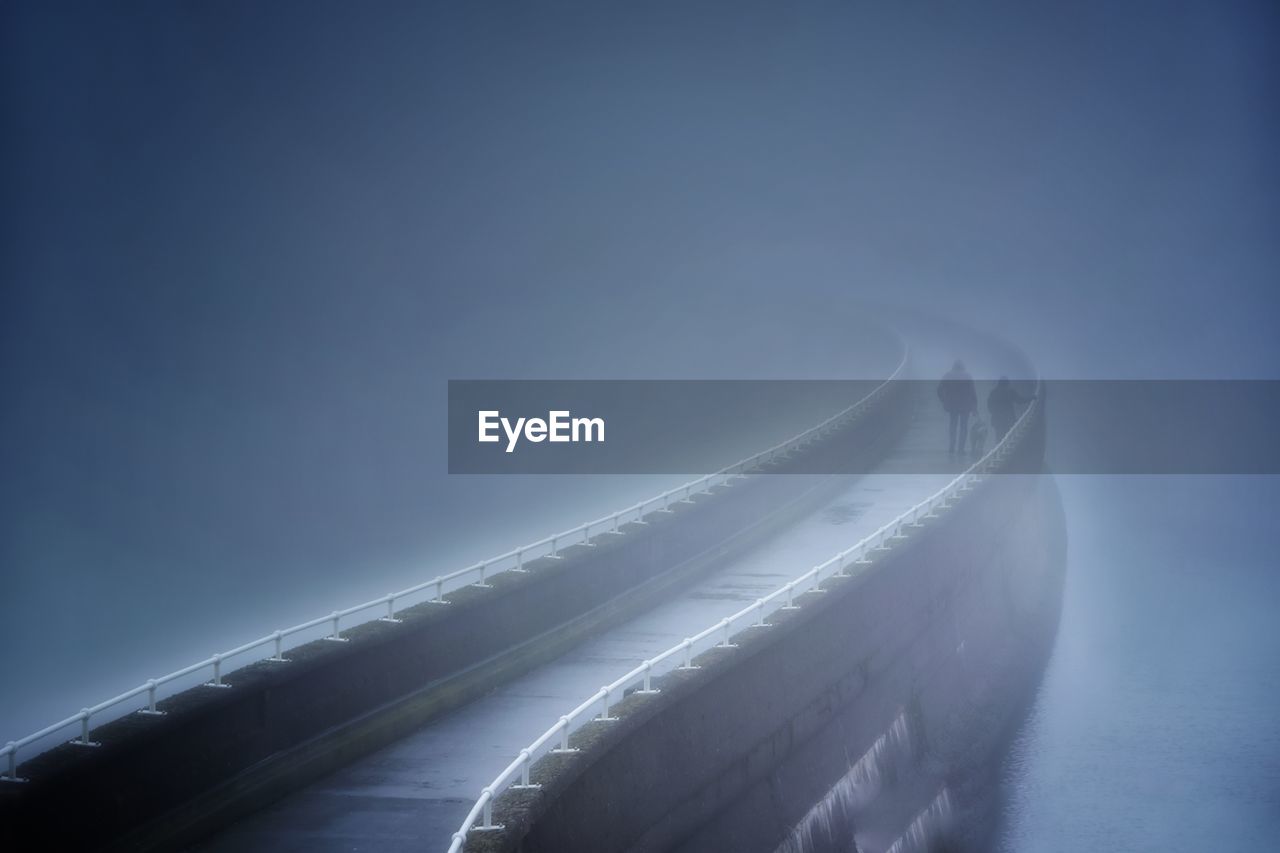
1156,726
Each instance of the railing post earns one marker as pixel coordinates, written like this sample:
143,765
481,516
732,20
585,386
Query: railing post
481,583
439,599
151,699
791,602
488,795
524,769
12,775
525,761
279,640
520,561
604,705
724,641
555,548
564,736
217,673
688,654
760,623
817,580
648,678
586,536
336,636
84,730
391,608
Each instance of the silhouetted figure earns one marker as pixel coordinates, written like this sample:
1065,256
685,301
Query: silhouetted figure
1001,402
960,399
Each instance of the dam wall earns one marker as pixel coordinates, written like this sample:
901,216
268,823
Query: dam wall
907,677
156,782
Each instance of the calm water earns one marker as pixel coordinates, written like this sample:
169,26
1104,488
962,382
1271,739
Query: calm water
1156,727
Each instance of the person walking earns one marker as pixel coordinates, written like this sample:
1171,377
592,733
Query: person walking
959,399
1001,403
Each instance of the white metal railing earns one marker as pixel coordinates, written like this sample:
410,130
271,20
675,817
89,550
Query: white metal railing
721,634
272,646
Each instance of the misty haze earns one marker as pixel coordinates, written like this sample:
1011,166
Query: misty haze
256,599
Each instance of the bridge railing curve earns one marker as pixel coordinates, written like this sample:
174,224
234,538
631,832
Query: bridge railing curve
272,647
720,634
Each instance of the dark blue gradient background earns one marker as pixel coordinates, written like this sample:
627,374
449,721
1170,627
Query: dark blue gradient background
245,245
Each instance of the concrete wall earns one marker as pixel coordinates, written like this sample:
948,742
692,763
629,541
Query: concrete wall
951,628
159,781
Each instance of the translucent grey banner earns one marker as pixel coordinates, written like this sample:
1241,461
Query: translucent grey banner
701,426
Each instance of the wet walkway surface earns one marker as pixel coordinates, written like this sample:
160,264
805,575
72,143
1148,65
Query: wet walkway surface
414,794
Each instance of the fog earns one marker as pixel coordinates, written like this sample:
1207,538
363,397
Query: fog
246,245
